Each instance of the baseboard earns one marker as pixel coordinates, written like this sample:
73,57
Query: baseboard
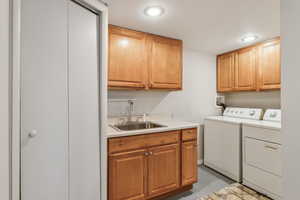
200,162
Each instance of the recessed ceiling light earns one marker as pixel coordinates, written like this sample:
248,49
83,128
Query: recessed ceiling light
249,38
154,11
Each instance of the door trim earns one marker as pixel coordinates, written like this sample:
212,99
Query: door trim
101,9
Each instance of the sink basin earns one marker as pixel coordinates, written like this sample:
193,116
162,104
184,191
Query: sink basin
137,126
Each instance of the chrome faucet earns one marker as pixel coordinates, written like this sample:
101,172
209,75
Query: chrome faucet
130,111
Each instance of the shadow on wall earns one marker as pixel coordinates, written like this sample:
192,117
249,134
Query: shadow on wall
146,101
265,100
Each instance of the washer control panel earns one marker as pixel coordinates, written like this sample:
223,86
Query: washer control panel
245,113
272,115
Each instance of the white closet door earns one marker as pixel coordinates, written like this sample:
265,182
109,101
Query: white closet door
84,104
44,108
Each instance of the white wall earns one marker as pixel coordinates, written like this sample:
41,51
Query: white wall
193,103
290,31
4,100
268,99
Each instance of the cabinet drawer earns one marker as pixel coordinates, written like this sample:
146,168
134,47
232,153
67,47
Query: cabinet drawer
263,155
162,138
126,143
142,141
189,134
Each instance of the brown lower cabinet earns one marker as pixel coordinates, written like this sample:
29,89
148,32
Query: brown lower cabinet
163,163
189,160
127,175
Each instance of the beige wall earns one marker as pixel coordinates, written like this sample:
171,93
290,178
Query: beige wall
269,99
193,103
4,100
290,31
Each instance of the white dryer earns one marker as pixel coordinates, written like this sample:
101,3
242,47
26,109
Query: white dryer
223,140
262,159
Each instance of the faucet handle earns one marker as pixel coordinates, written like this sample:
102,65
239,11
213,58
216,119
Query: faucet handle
121,121
145,115
139,118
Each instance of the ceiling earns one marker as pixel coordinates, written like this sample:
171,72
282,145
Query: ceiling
210,26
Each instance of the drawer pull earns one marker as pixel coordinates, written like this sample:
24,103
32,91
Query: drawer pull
270,147
146,154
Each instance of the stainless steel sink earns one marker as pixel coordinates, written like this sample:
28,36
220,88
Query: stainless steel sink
137,126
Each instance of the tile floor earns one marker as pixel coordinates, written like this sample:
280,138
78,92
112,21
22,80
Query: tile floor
209,181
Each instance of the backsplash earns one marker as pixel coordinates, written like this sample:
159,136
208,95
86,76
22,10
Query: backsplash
172,104
265,100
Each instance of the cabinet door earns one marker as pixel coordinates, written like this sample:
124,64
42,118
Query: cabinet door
127,175
189,163
269,65
127,58
225,73
163,169
165,63
245,69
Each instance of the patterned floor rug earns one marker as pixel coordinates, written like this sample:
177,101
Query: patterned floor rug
235,192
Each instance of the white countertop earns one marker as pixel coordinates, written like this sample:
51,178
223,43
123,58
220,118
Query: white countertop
170,125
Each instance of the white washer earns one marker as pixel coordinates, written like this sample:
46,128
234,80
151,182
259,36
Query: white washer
262,160
223,140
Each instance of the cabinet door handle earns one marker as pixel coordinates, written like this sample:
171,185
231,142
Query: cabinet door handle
150,152
146,154
32,134
270,147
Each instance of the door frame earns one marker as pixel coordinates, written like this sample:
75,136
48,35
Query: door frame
101,8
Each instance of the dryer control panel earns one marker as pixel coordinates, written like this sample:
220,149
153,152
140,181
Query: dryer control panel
272,115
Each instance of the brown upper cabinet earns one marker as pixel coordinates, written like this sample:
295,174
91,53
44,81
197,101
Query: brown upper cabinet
269,65
165,62
225,72
252,68
127,56
245,69
140,60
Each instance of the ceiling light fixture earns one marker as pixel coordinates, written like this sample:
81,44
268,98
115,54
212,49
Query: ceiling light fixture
249,38
154,11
